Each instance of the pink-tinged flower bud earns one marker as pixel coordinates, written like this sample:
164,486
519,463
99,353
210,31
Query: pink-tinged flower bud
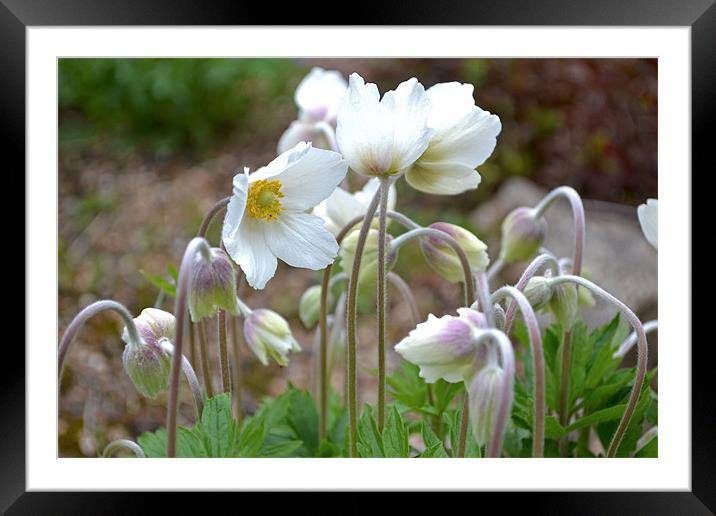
212,286
444,260
484,393
538,292
522,235
368,273
268,334
444,348
309,307
146,363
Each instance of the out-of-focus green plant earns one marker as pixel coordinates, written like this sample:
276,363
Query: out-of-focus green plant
166,106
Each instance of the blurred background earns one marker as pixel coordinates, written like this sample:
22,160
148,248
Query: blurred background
147,146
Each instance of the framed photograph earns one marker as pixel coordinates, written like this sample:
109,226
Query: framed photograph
295,258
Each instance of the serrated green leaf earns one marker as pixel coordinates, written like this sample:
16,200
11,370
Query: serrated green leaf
370,442
155,444
406,386
607,414
581,353
251,437
604,346
302,417
217,428
395,435
280,449
552,428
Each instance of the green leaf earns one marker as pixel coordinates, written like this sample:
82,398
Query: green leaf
370,442
406,386
217,428
280,449
160,282
600,416
302,418
155,444
650,450
251,437
552,428
173,272
605,342
581,353
395,435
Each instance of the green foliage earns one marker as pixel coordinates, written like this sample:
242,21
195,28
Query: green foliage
165,106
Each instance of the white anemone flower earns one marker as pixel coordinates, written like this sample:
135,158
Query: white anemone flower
383,137
445,347
318,97
648,218
266,217
464,137
342,206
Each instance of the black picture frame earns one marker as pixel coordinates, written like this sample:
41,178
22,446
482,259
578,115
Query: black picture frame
17,15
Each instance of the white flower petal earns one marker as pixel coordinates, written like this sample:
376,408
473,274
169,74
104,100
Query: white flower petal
410,107
320,93
450,101
366,194
301,240
470,140
341,207
649,218
235,210
250,251
442,178
364,130
300,132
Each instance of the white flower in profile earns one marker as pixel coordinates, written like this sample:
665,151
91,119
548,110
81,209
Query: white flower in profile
464,137
383,137
445,347
266,217
268,334
648,218
342,206
318,97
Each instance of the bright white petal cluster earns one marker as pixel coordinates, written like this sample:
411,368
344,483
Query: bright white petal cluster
463,137
342,206
318,98
445,347
648,218
383,137
266,218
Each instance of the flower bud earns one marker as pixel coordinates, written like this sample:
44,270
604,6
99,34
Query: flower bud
484,396
538,292
500,316
584,295
444,260
267,333
444,348
146,363
522,235
212,286
369,263
564,304
309,307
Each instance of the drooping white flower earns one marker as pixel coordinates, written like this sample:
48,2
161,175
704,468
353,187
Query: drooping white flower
342,206
464,136
648,218
445,347
383,137
266,218
268,334
318,97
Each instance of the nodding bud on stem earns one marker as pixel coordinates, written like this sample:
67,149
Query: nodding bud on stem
484,393
369,263
499,314
443,259
267,333
565,305
522,235
146,363
212,285
309,307
538,292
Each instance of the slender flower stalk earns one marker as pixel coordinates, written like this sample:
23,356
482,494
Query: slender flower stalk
649,327
123,444
642,349
223,351
197,245
81,318
382,295
236,369
404,289
191,379
323,352
535,336
215,211
204,355
494,447
536,265
495,268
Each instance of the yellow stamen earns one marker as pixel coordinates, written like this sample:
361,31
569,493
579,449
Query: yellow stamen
264,199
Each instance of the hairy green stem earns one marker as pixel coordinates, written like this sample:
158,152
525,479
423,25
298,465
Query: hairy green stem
236,369
223,352
382,296
213,212
191,379
204,355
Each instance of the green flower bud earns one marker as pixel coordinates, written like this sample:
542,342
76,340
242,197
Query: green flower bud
369,263
309,307
564,304
146,363
212,286
267,333
522,235
484,397
584,296
538,292
444,260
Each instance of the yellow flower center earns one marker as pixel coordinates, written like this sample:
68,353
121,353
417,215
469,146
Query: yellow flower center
264,199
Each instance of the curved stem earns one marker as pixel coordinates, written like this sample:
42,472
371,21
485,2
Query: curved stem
323,353
81,318
382,296
535,336
352,315
191,379
196,245
532,269
575,202
494,447
495,268
632,338
123,444
223,352
641,355
483,294
407,295
213,212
